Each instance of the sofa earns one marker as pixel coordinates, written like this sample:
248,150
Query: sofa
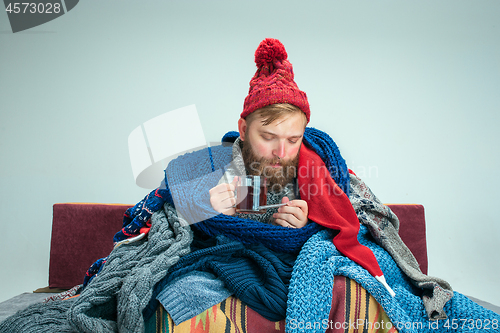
75,244
83,233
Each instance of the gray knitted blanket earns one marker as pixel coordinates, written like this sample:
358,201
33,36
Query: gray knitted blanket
115,298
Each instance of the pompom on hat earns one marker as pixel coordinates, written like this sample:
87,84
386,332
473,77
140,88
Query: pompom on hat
273,81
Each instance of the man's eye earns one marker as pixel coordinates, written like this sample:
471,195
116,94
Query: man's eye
293,141
267,138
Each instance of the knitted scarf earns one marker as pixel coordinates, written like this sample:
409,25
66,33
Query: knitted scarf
329,206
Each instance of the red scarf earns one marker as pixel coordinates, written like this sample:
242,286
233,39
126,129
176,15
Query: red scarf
330,207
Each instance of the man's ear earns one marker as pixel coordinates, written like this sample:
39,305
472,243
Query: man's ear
242,128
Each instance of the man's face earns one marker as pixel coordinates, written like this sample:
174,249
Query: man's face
273,150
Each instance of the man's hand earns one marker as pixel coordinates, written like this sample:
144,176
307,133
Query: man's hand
222,197
293,215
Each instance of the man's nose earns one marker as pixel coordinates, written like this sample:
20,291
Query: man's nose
279,151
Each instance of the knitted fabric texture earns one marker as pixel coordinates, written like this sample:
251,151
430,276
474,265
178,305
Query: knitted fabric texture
330,207
126,282
116,297
384,226
206,167
274,80
191,294
256,275
310,292
40,318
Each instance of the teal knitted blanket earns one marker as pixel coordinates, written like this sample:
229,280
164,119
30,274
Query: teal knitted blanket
312,283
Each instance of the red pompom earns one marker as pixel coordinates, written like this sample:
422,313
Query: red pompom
269,50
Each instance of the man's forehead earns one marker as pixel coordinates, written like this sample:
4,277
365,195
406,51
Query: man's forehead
296,135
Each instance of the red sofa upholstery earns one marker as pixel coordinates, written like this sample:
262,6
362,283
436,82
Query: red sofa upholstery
83,233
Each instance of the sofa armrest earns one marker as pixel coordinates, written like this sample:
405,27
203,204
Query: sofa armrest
412,230
81,234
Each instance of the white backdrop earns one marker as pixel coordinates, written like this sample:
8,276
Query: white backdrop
409,91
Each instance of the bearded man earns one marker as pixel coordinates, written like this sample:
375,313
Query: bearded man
269,145
271,130
281,264
185,246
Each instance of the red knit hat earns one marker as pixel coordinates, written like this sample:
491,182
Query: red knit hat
273,82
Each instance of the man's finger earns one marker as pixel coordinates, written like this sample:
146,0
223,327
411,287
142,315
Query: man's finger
230,211
287,218
221,188
232,186
284,223
229,202
288,209
300,208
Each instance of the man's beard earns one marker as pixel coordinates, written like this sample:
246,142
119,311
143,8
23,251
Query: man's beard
277,178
